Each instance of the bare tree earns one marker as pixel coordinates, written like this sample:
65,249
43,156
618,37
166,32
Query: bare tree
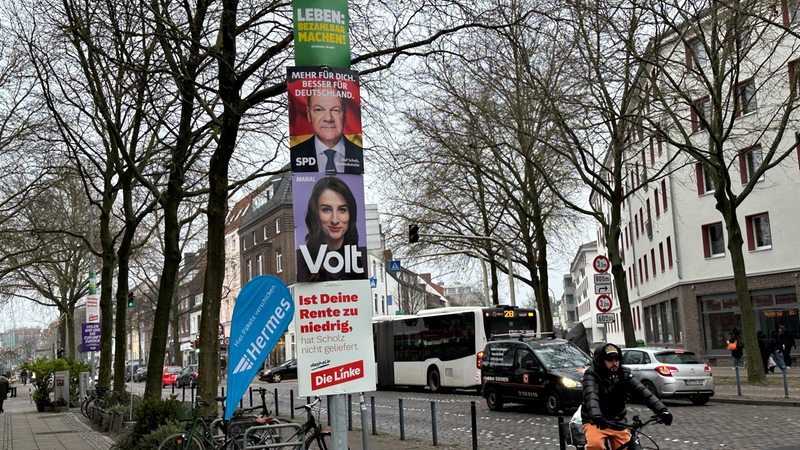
476,129
720,95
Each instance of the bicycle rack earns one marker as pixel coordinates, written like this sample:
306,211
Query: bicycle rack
292,432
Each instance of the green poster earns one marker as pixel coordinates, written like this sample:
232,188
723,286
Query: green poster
321,33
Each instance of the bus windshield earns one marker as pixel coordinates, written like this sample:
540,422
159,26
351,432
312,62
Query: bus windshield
504,321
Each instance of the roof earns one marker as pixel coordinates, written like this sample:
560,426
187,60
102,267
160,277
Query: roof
275,193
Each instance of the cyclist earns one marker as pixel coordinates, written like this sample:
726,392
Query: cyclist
606,387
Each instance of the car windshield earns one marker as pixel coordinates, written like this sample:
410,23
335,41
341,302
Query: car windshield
287,363
561,356
172,369
677,358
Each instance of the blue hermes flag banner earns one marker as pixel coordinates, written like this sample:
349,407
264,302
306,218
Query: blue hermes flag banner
262,313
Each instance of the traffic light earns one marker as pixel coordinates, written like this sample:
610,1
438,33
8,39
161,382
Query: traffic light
413,233
197,345
131,298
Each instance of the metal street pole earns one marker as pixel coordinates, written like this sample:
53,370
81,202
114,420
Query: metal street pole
512,297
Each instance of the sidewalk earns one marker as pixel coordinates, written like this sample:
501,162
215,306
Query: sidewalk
26,429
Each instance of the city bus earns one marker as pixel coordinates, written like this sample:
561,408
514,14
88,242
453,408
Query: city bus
438,348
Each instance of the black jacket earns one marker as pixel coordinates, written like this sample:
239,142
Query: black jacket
606,393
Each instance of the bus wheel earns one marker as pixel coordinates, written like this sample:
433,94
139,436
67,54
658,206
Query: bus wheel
434,381
493,399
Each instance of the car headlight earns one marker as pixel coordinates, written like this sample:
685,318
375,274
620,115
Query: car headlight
570,383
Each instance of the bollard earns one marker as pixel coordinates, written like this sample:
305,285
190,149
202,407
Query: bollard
363,407
562,440
372,405
785,383
738,381
276,402
250,390
474,415
349,412
433,423
291,403
402,422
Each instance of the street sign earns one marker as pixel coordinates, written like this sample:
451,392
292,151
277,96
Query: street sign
602,288
602,278
373,282
604,318
604,303
394,266
601,264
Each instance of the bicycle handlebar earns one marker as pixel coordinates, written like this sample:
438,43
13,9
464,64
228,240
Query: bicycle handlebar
310,405
636,424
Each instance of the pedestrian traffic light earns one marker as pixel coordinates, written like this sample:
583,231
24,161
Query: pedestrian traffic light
131,298
413,233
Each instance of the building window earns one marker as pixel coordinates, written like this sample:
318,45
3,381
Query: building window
278,262
277,226
662,322
705,183
749,161
696,56
259,265
701,114
669,251
793,74
657,202
254,238
249,269
661,254
745,98
664,194
759,236
713,240
653,260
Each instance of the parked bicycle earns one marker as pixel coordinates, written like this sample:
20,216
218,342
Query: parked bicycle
202,433
95,398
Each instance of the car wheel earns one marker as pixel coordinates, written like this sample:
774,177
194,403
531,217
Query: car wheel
493,399
651,387
699,399
552,403
276,378
434,380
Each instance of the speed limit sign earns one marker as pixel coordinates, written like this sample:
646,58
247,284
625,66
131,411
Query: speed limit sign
604,303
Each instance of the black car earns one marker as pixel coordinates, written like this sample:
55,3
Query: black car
187,377
140,374
286,371
547,372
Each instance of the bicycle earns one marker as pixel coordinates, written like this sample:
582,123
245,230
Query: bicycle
202,433
635,429
240,423
95,398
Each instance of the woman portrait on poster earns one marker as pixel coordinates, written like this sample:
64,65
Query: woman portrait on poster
331,250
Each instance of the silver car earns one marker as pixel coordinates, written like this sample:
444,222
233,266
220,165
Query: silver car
671,373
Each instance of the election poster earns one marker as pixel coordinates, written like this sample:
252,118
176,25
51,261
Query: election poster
325,120
334,345
321,33
330,227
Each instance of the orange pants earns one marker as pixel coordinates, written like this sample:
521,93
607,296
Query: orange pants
595,437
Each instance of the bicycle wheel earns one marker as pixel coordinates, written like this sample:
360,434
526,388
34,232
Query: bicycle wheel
319,442
85,404
180,441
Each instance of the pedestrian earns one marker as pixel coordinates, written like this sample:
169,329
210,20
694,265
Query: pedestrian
777,351
23,375
736,346
786,338
3,389
769,349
